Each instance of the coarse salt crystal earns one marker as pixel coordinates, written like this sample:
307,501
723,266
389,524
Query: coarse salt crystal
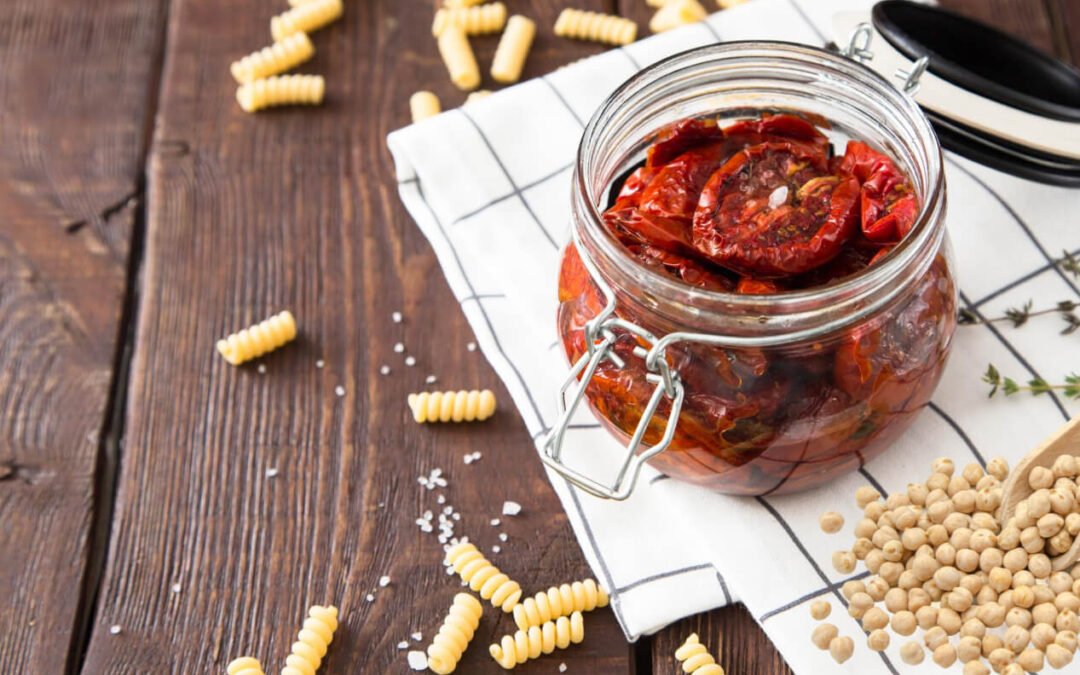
410,361
778,197
448,510
428,515
502,536
418,636
471,346
370,597
384,581
511,508
456,516
176,588
114,629
403,645
441,499
271,472
261,368
496,548
495,522
385,370
430,379
339,390
399,348
417,660
422,480
562,667
396,316
320,363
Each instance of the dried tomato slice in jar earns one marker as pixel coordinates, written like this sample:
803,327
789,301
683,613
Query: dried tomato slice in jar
887,202
682,268
677,138
771,211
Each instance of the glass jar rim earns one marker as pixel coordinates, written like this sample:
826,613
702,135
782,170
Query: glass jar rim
889,270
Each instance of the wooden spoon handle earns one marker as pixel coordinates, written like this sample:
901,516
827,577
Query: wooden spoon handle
1064,441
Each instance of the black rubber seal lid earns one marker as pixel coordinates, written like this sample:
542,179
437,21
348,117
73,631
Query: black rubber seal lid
996,66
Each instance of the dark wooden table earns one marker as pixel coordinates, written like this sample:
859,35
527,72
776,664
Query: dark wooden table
142,216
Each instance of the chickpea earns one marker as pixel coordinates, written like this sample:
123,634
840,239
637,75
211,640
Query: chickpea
1016,560
935,637
897,500
912,653
957,484
908,580
917,492
865,495
1040,477
896,599
1064,467
964,501
1005,600
824,634
1039,565
903,622
924,567
1049,525
886,520
936,495
890,572
877,588
1023,578
967,560
1042,634
916,598
985,521
961,538
982,540
1017,638
841,648
874,511
973,628
850,588
1039,503
1009,537
959,599
999,658
988,499
1043,594
1030,660
862,547
1023,597
986,596
998,467
1067,602
990,643
1072,523
926,617
893,550
1013,669
1066,639
1076,585
943,465
883,535
991,558
1022,515
939,510
843,562
945,554
945,655
949,621
874,619
865,528
1059,543
913,538
969,649
819,609
1067,622
954,521
976,668
1044,612
878,640
859,603
1031,541
937,535
947,578
1057,656
1060,582
1063,501
1000,579
932,588
1018,617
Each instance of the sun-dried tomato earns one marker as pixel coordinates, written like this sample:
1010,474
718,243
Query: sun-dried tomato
682,268
888,205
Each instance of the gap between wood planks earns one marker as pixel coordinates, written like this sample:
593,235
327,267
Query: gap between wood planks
110,444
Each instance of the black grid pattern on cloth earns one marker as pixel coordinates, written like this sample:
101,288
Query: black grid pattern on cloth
1050,265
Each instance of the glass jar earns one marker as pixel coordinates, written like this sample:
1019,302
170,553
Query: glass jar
752,394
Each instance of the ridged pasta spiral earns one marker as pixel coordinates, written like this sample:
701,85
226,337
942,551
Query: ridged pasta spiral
277,58
524,645
245,665
458,56
677,13
305,18
452,406
483,577
454,634
580,596
489,18
695,659
513,49
584,25
281,90
258,339
312,641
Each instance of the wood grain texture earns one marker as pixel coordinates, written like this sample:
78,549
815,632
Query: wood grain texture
298,209
76,89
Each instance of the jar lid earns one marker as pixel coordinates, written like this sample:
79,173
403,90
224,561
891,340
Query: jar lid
990,97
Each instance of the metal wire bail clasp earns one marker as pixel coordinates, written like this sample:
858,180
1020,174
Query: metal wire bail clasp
600,339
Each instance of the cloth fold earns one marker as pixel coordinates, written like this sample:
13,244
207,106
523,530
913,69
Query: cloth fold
489,186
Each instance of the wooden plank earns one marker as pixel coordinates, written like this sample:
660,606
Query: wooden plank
1065,21
76,92
1026,19
298,209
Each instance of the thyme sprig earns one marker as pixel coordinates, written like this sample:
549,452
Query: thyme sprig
1018,316
1035,385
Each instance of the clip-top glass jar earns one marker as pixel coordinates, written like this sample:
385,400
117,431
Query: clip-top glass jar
752,394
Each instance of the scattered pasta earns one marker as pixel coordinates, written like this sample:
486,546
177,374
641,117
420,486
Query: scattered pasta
459,59
596,27
461,3
695,659
477,95
424,104
483,577
277,58
312,641
728,4
305,18
656,3
245,665
513,49
258,339
580,596
454,634
452,406
524,645
677,13
489,18
281,90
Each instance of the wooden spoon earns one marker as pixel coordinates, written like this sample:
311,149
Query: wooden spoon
1064,441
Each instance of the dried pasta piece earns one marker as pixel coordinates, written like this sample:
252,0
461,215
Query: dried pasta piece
596,27
477,95
312,641
305,18
518,648
677,13
695,659
728,4
459,59
461,3
245,665
489,18
513,49
258,339
277,58
483,577
424,104
281,90
454,634
580,596
657,3
452,406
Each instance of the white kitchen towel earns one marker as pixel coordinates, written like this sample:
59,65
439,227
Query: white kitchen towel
489,186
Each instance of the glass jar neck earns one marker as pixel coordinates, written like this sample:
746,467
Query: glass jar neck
738,80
